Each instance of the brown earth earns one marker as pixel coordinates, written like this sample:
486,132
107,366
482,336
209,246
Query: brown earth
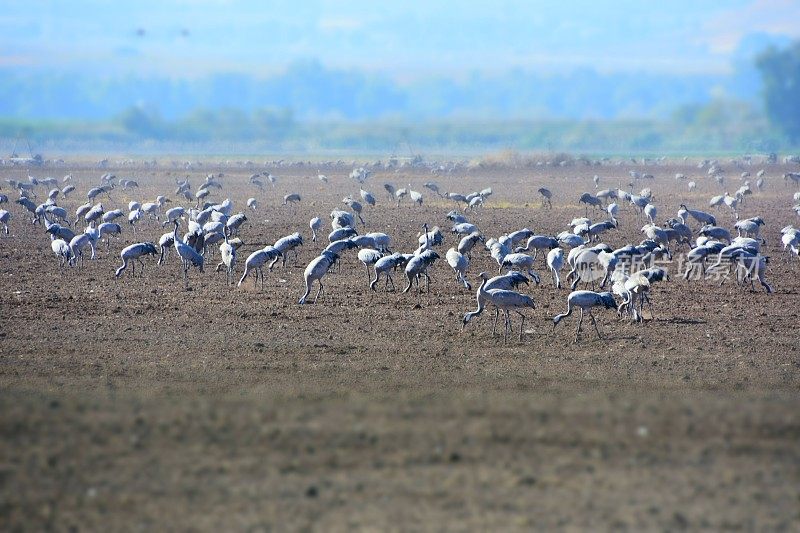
134,403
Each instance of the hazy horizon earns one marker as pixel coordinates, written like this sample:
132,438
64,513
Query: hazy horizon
218,69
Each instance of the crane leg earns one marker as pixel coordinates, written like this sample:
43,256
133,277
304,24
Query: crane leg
308,291
320,291
594,322
507,325
410,282
496,315
580,322
649,306
522,325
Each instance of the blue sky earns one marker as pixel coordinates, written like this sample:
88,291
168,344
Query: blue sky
198,37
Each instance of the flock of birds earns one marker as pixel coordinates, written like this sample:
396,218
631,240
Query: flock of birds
618,278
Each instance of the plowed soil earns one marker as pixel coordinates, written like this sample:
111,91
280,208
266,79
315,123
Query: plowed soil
135,403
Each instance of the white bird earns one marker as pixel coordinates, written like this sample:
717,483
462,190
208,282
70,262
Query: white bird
369,257
717,201
256,261
631,289
700,216
342,219
466,244
385,265
109,228
5,217
110,216
134,252
173,214
519,261
650,212
315,270
62,251
418,266
612,209
235,222
133,218
656,234
555,262
189,256
285,245
539,242
165,243
502,299
227,253
201,194
78,243
368,197
570,239
455,217
94,214
464,228
151,208
585,300
315,224
400,194
381,241
508,281
459,263
749,227
252,203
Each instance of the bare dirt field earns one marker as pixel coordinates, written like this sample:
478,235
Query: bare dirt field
135,404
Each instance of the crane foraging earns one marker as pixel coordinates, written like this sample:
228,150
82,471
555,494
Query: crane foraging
256,261
459,263
585,300
131,254
506,300
418,266
315,270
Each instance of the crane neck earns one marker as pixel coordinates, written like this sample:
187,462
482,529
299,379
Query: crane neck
481,288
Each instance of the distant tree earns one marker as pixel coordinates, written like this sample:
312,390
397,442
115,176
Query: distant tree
780,71
141,122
